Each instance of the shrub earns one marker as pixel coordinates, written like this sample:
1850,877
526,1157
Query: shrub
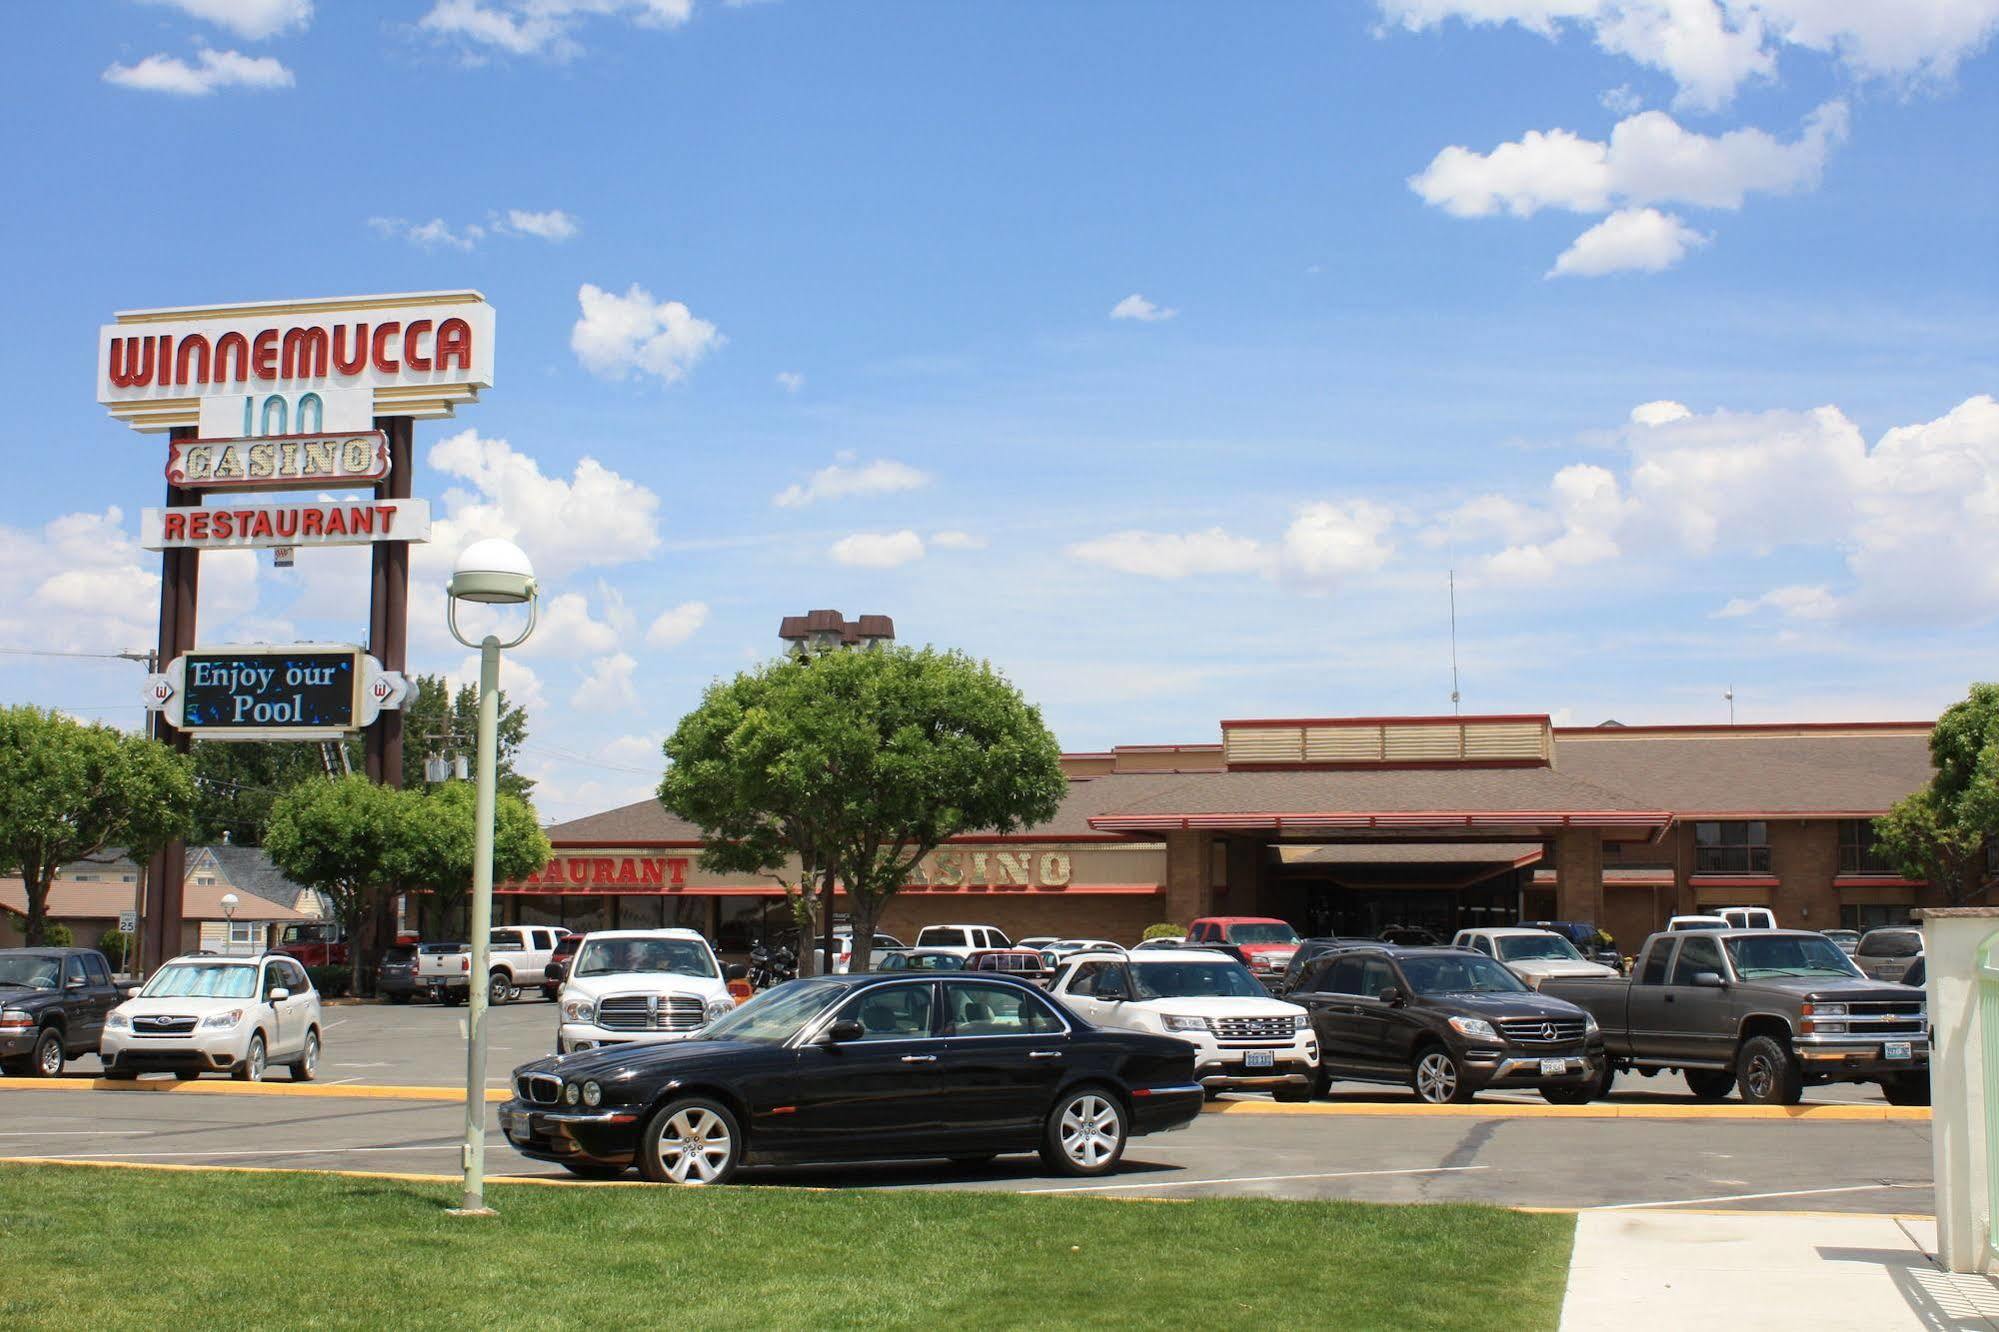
114,946
331,982
55,934
1163,931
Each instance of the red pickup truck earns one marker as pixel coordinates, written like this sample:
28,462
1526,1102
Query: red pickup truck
321,944
1265,941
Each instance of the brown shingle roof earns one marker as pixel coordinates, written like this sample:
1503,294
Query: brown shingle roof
1717,772
103,901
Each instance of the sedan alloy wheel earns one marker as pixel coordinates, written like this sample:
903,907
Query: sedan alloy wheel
1086,1134
691,1142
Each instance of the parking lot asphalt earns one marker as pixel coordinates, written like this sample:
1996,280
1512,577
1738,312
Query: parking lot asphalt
1877,1166
1845,1166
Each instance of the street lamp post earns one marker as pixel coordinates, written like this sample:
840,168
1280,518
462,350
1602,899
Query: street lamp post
498,573
229,904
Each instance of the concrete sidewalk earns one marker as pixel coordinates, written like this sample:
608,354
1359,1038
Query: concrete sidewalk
1766,1271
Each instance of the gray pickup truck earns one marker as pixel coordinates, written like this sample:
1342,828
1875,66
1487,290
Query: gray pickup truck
1769,1011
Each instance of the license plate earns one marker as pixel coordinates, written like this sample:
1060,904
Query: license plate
1896,1050
1553,1067
1259,1059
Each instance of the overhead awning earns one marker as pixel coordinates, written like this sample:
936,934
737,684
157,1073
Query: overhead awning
1512,854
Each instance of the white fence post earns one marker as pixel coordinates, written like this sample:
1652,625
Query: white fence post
1956,942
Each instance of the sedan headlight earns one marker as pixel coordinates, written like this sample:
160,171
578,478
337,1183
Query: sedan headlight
592,1094
571,1094
1477,1029
118,1020
222,1021
579,1010
1184,1022
718,1009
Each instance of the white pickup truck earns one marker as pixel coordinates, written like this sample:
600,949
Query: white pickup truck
518,959
964,940
640,987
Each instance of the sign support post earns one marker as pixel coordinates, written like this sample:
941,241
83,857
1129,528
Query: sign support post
180,586
388,640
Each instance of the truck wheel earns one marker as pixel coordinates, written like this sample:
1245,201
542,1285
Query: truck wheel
498,988
1709,1084
1292,1094
1768,1073
1907,1089
1439,1078
48,1056
1595,1088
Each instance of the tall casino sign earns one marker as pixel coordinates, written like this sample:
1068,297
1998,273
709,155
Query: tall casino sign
258,400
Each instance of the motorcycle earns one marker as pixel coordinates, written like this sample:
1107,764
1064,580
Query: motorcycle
772,966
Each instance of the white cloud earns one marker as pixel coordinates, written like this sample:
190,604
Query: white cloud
878,550
1137,307
1621,100
1175,555
1329,541
789,380
616,335
595,517
552,225
676,626
1641,240
252,20
543,27
430,235
211,70
518,682
1710,48
957,541
1659,413
842,480
609,686
1649,159
1584,512
1927,542
1797,602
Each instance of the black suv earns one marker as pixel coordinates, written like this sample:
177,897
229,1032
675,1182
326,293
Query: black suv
1449,1022
52,1007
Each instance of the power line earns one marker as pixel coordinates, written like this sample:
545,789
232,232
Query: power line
145,658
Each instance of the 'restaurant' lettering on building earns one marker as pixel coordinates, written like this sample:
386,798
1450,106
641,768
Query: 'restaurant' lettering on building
607,874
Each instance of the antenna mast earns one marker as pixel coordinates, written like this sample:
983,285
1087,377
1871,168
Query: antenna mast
1453,574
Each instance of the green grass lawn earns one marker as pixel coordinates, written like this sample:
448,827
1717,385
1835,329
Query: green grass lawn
129,1248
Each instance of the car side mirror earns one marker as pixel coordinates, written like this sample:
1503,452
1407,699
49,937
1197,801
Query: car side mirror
1391,996
843,1031
279,992
735,971
74,983
1709,980
131,992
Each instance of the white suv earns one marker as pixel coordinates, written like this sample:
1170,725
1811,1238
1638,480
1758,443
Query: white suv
964,940
236,1015
1242,1037
639,986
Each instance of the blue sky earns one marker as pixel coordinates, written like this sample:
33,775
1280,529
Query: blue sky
1406,278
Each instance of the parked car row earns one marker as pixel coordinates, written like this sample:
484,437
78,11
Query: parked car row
196,1014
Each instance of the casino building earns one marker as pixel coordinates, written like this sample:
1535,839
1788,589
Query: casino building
1348,825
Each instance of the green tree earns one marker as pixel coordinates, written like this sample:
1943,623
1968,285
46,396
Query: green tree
443,720
346,837
1940,832
237,783
437,856
69,790
858,764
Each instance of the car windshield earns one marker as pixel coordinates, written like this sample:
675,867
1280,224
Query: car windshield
202,980
1196,980
1891,943
1686,925
1262,932
679,957
1542,947
34,970
933,962
1472,973
774,1016
1788,955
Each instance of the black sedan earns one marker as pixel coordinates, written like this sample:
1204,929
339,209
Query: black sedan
859,1068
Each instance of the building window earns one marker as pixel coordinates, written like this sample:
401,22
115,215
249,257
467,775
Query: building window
1858,853
243,936
1741,847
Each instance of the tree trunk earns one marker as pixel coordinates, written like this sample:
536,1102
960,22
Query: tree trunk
805,918
864,914
826,921
37,889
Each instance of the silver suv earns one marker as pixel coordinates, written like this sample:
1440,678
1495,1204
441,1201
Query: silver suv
1887,955
201,1013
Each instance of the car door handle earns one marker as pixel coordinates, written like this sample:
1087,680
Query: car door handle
1044,1054
1670,999
919,1059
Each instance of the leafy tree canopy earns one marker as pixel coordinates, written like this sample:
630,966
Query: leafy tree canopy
437,856
1940,832
346,837
69,790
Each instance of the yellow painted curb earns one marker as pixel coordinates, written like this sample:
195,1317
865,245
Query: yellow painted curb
207,1087
1595,1110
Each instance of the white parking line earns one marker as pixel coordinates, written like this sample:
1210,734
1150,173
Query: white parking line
1255,1179
83,1133
329,1026
1748,1197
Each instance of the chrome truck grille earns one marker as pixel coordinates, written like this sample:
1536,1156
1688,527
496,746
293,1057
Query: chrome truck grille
649,1012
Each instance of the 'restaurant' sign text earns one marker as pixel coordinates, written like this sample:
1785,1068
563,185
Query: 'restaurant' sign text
253,526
